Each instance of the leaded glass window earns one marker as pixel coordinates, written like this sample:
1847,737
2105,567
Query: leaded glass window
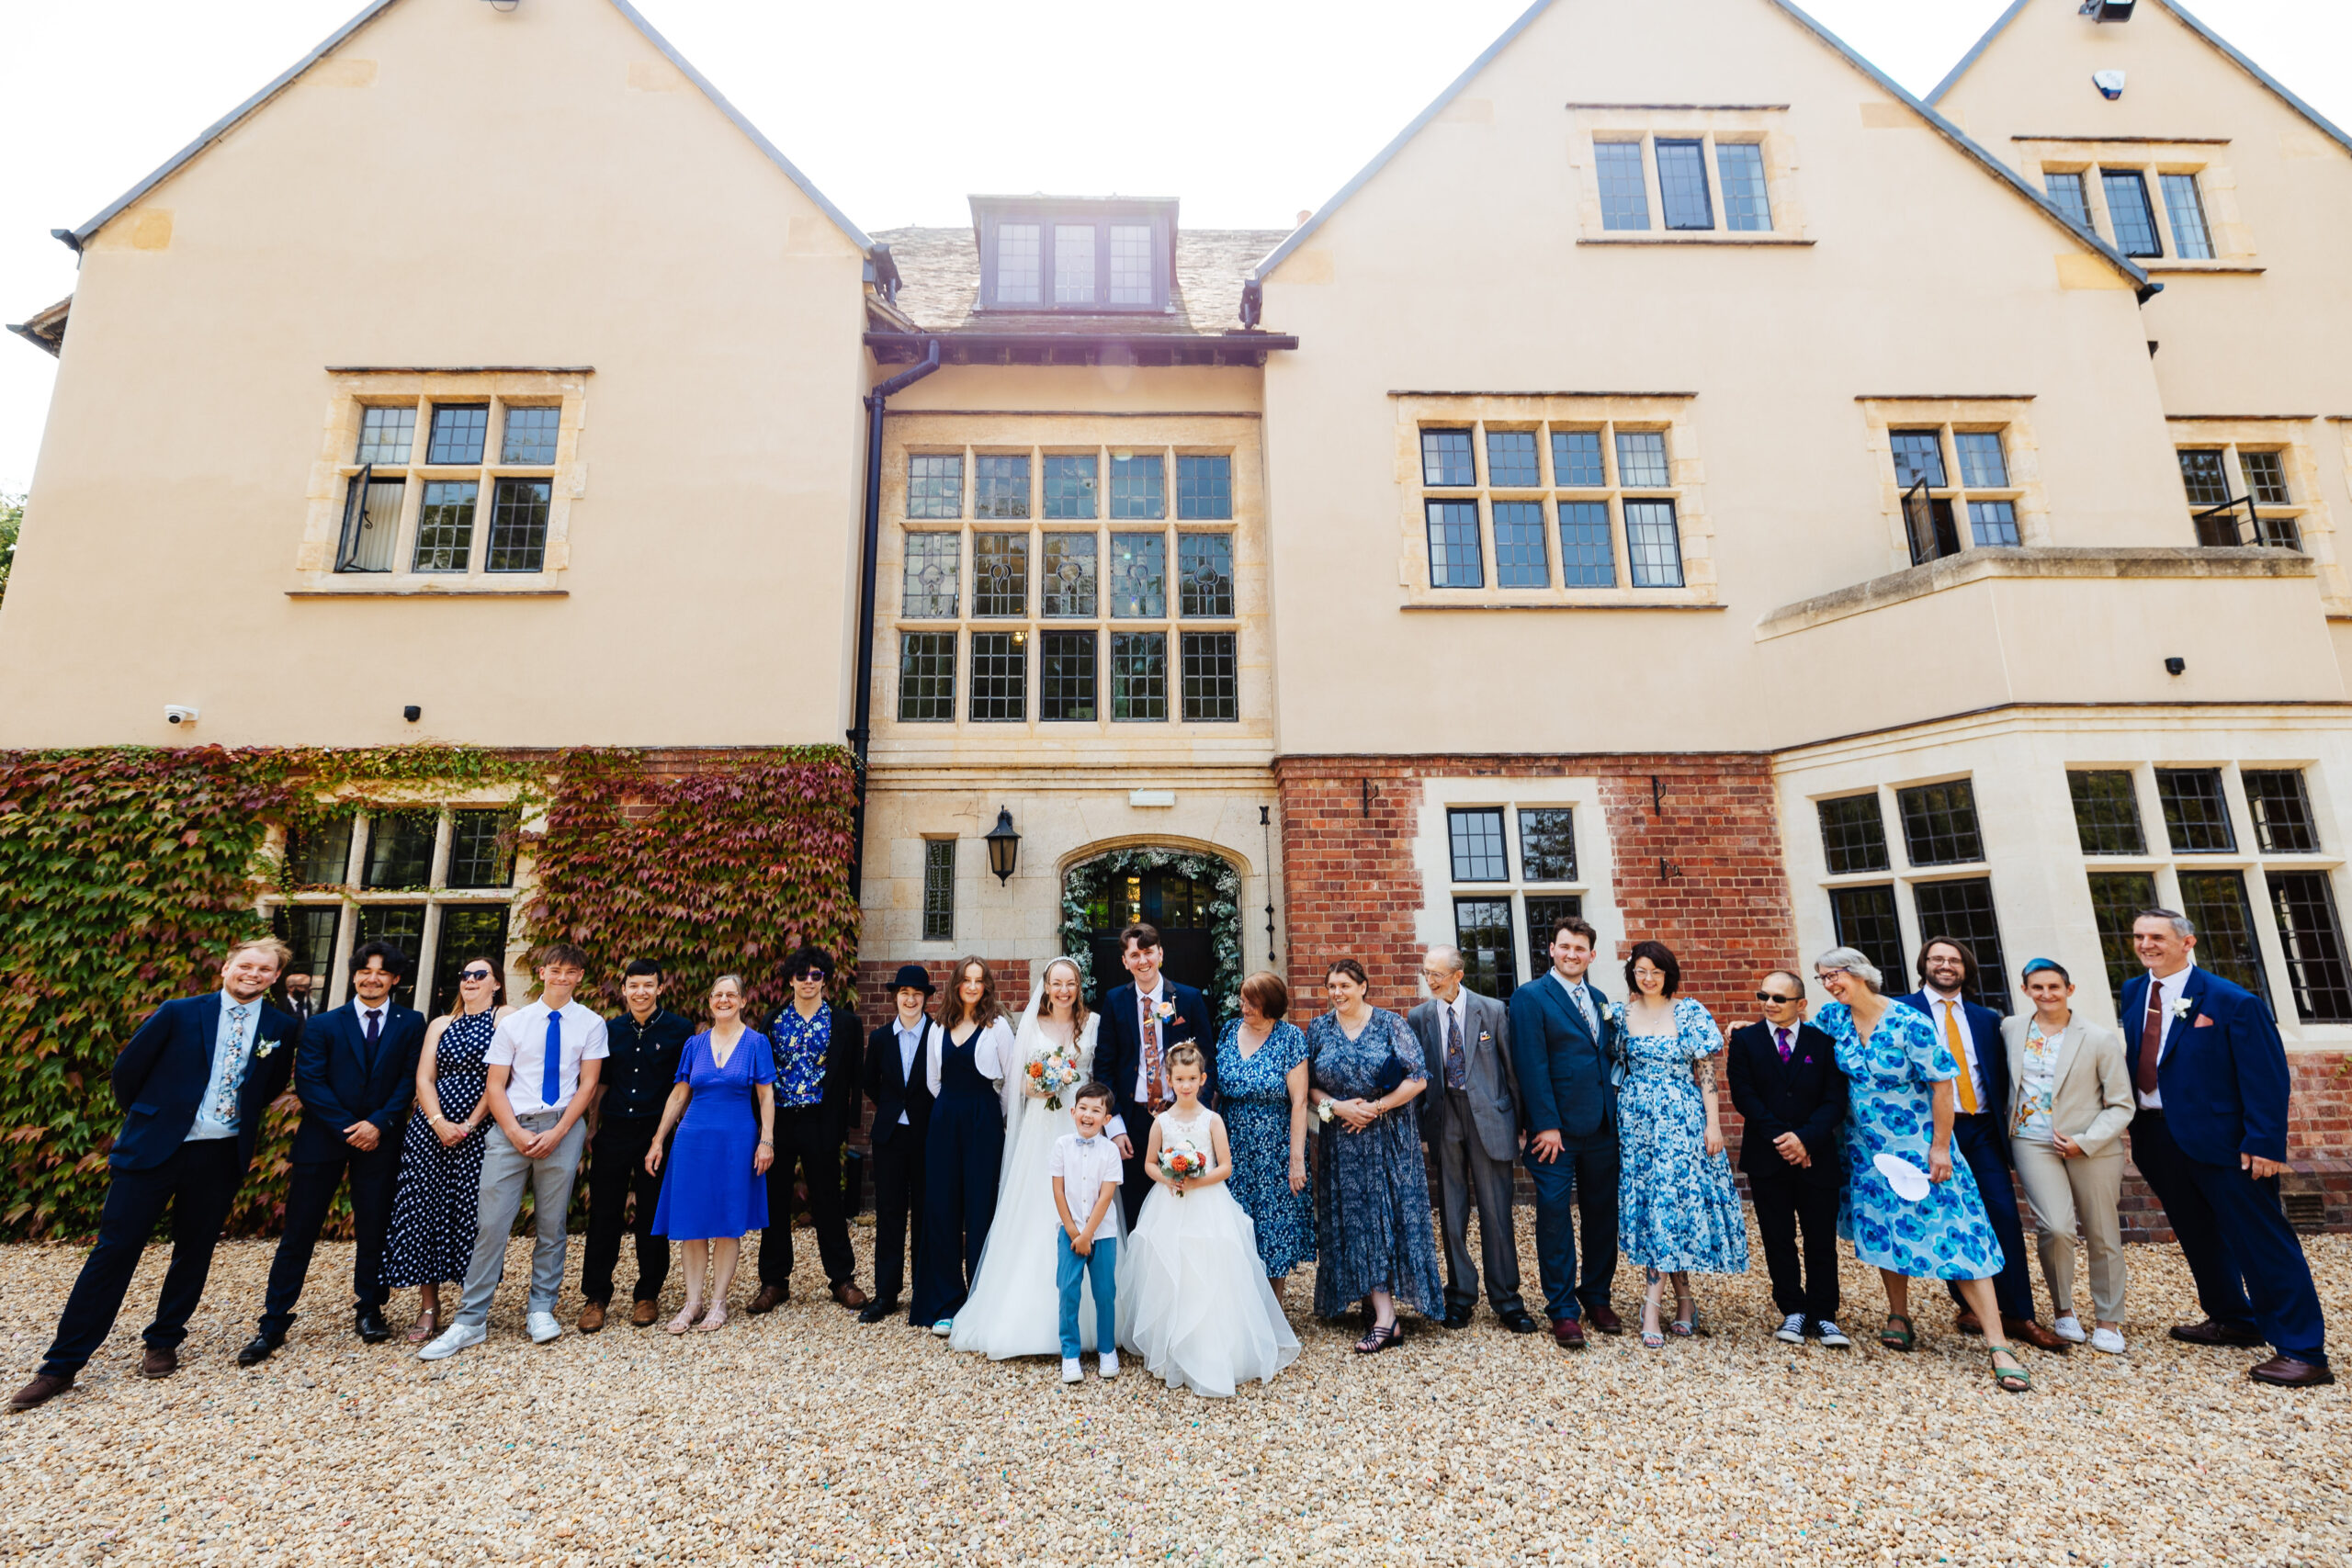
1018,263
999,487
1000,574
2197,815
2265,477
2067,194
1940,823
321,852
1446,458
401,925
1994,522
1640,459
1482,933
1853,834
1748,205
928,587
444,526
1073,267
1475,836
1453,545
1138,487
1068,577
1963,911
2106,814
518,525
1982,464
481,849
1066,677
311,929
1653,544
399,849
1548,843
935,485
2127,209
1865,920
1138,675
1131,263
1204,487
927,677
1542,914
1588,557
2117,898
1069,484
1918,454
2186,207
2303,902
1205,575
1682,185
1511,459
467,933
1520,560
2281,809
1138,577
458,433
1576,458
939,886
530,434
1624,193
386,434
1212,689
2203,476
1000,677
2216,902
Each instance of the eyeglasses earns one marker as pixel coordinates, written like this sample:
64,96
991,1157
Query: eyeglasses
475,975
1824,976
811,973
1768,998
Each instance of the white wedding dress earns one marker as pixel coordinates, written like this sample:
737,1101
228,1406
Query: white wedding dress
1015,1307
1194,1301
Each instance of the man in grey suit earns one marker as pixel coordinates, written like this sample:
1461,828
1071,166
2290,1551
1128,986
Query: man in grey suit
1472,1121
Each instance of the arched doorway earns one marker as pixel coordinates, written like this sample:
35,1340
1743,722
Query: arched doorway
1194,899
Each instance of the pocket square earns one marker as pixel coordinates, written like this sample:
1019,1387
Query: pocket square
2204,1021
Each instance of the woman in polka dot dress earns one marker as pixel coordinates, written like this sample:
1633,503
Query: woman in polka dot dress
434,1209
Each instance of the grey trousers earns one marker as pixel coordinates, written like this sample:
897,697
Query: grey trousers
2064,1193
503,1171
1465,1173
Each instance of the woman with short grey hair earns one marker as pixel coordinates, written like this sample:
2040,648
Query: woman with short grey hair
1899,1075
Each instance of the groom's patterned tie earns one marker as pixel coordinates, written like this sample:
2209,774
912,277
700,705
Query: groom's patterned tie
1154,1088
2152,1040
1457,1068
224,1100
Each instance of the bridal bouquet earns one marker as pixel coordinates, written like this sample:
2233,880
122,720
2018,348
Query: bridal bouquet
1052,1071
1179,1161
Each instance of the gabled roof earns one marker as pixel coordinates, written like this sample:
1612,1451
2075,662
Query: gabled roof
2194,24
1945,128
80,236
45,328
939,272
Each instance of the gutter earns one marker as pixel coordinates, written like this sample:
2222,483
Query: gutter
862,734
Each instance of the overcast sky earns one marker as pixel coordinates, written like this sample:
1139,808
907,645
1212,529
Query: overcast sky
1247,109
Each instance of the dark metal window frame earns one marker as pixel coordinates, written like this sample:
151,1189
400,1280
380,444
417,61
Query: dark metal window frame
1865,918
927,677
2213,832
938,890
1068,677
1540,850
998,681
1671,196
1444,519
2310,935
2131,240
2106,811
1210,673
521,513
1940,823
2228,942
1980,928
1482,934
1478,832
1138,677
2279,801
1203,487
434,458
1853,840
1103,218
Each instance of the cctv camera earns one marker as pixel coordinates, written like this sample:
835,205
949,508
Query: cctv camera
175,714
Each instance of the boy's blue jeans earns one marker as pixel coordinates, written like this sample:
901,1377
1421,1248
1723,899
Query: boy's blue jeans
1099,1267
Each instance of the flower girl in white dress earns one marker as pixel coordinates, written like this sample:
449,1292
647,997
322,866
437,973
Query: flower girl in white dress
1194,1301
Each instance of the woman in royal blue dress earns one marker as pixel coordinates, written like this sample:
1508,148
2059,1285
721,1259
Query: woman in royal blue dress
1900,1102
1678,1213
1262,1094
716,1188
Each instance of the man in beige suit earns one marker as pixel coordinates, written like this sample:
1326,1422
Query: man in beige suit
2070,1100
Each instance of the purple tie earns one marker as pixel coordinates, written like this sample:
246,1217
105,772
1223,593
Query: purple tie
1781,1037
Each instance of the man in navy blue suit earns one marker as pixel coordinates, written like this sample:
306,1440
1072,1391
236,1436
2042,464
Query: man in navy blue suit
1140,1021
2210,1135
194,1083
1564,1049
1979,1132
357,1075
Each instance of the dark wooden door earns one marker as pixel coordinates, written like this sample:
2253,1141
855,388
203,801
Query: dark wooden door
1177,905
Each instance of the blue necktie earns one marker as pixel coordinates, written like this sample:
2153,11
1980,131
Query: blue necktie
553,1074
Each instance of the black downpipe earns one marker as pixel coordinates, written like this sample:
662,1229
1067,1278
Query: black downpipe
862,733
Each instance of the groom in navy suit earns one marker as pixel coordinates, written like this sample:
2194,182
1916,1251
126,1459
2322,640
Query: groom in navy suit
2210,1076
195,1082
1140,1021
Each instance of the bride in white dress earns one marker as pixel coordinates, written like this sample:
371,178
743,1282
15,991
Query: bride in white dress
1016,1306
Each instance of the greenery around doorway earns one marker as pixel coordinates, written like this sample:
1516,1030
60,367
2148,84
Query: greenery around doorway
1088,880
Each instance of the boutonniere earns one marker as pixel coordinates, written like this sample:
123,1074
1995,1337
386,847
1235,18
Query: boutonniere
1164,1011
265,1047
1323,1111
2184,1006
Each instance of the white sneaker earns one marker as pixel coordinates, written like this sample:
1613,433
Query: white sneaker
544,1328
2068,1329
1109,1363
456,1338
1791,1329
1832,1336
1072,1370
2107,1339
944,1327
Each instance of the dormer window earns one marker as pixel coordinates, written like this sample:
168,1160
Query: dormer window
1057,253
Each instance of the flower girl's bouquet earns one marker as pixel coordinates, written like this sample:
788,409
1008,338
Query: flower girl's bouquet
1179,1161
1052,1071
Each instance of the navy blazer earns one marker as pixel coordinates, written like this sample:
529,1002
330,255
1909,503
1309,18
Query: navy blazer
889,1087
1558,1059
1992,1057
1118,1048
161,1076
343,1082
1805,1095
2222,1075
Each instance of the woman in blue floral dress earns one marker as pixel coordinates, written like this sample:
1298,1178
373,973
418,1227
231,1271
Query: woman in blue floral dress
1262,1094
1678,1212
1900,1104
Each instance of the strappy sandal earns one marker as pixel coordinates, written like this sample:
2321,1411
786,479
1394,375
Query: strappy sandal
2009,1380
428,1324
1895,1339
1684,1327
1379,1339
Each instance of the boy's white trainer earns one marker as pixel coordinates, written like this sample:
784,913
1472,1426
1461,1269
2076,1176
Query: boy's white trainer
456,1338
544,1328
1109,1363
1073,1370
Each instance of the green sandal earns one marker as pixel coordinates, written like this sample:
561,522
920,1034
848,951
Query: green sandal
1895,1339
2010,1379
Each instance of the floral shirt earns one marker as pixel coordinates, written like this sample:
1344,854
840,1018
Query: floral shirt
2037,1085
799,1044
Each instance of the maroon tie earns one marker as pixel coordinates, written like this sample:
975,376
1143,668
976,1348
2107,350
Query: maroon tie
2152,1038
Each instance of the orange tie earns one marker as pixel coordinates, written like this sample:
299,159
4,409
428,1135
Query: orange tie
1966,1083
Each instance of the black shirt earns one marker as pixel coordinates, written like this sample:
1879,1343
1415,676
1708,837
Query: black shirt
641,1067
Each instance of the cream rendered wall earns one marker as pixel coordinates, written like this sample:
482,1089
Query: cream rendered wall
1925,276
455,187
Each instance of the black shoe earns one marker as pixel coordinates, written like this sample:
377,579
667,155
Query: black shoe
1518,1321
1457,1317
875,1310
373,1329
258,1349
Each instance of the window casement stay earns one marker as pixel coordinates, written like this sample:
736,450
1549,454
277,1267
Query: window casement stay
355,520
2235,523
1927,519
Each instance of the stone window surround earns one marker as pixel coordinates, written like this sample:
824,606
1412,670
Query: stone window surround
1669,411
2008,416
1900,873
332,472
2314,520
1432,854
2217,186
1763,124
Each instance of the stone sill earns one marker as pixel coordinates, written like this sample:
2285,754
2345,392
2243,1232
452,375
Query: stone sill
1570,605
433,590
1696,239
2177,269
1980,564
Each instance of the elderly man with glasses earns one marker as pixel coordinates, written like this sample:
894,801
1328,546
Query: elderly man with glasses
1791,1100
819,1053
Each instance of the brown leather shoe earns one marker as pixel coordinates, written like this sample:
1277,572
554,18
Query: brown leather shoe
1968,1323
1568,1333
2034,1334
40,1390
849,1295
158,1363
2285,1372
642,1314
2210,1333
592,1317
1604,1318
770,1298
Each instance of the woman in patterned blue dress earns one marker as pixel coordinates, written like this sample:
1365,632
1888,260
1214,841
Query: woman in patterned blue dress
1262,1094
1899,1075
1372,1186
1678,1212
434,1208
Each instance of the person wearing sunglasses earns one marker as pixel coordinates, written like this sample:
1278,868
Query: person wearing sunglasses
819,1051
1792,1102
432,1236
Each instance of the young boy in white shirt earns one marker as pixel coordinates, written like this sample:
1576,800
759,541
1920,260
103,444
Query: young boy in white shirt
1086,1171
